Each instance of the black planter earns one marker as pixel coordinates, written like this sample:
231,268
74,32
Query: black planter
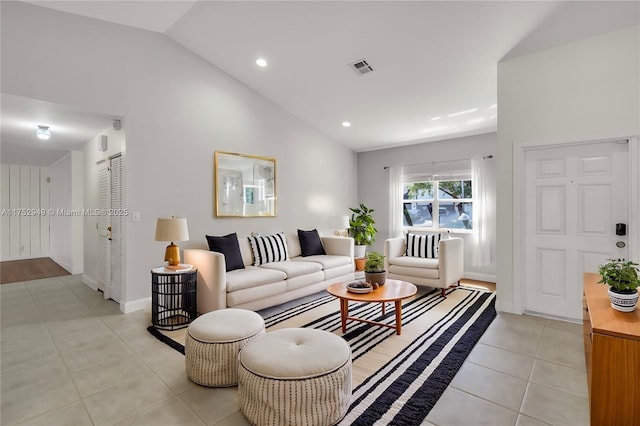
375,277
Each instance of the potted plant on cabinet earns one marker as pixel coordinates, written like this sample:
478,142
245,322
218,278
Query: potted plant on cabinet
374,268
362,229
622,278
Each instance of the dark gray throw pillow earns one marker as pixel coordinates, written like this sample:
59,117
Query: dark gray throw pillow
310,243
227,245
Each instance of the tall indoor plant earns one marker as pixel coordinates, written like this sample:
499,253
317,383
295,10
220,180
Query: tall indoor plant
362,229
622,278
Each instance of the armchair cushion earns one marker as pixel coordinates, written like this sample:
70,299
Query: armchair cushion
227,245
423,245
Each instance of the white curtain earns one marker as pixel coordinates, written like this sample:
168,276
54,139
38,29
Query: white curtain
484,211
395,201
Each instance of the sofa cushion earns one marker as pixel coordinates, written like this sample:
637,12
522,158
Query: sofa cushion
327,261
310,243
423,245
414,272
227,245
251,277
414,262
331,273
294,269
272,248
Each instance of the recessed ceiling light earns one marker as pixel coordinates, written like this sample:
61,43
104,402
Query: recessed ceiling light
466,111
436,118
261,62
346,124
43,133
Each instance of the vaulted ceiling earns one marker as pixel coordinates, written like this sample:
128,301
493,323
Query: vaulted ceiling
434,62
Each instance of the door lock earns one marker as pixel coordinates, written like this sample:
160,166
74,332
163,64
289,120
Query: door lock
620,244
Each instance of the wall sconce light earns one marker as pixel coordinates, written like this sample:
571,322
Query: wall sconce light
172,229
43,133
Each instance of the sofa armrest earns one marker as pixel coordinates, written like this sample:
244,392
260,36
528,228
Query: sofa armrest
339,246
451,260
393,247
212,278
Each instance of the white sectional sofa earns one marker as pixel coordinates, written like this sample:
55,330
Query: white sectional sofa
258,287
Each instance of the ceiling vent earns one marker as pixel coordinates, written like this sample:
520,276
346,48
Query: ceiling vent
361,67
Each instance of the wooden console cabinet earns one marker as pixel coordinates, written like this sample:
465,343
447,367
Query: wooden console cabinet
612,353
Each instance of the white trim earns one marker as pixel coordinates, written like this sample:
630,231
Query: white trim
480,277
143,304
90,282
519,153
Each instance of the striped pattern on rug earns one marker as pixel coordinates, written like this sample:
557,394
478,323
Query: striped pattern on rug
398,379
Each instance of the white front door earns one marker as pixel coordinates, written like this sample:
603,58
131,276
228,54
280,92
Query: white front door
574,197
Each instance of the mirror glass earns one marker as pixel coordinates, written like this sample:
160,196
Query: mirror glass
245,185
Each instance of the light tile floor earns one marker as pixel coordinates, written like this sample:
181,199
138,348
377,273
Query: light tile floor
69,357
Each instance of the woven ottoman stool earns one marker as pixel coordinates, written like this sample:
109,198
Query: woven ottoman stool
295,377
213,341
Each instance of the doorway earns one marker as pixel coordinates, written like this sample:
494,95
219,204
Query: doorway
573,197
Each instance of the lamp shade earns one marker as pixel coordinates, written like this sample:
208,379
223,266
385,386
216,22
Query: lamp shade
172,229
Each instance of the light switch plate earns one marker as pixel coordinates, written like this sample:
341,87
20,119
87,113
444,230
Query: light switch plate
135,217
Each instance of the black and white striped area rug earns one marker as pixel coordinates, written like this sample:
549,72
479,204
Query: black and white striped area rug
397,379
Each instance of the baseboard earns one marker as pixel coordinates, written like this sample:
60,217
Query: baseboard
90,282
480,277
143,304
64,265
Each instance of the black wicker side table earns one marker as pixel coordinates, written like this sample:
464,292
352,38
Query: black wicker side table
173,297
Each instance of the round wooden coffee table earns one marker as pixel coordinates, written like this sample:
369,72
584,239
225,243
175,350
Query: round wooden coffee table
392,291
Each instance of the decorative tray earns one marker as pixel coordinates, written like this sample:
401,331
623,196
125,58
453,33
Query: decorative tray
360,287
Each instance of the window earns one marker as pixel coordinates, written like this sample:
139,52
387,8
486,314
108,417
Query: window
438,203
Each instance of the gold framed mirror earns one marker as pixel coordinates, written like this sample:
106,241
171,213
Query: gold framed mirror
245,185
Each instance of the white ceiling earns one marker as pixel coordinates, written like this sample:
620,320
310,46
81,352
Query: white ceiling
430,58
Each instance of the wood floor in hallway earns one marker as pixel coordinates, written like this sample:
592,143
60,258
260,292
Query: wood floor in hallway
14,271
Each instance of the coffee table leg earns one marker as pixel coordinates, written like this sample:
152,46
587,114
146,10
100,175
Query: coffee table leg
398,317
344,313
383,308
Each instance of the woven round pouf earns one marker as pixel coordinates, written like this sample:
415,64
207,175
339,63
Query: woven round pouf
213,341
295,377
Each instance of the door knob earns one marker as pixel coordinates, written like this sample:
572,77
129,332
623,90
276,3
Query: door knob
620,244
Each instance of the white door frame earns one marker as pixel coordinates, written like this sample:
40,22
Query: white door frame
519,157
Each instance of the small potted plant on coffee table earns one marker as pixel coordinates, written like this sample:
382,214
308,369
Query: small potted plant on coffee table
622,278
374,271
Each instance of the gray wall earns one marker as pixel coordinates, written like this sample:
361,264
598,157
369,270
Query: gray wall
178,110
373,181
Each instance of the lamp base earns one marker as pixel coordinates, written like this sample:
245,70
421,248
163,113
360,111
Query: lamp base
172,255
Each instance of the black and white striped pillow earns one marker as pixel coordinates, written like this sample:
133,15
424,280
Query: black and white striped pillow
423,245
272,248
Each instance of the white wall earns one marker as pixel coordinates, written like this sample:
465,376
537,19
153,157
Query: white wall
24,226
115,144
583,91
65,213
179,109
373,182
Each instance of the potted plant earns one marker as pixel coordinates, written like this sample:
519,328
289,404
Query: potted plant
374,268
622,278
362,229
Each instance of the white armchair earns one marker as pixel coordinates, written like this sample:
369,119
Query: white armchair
441,273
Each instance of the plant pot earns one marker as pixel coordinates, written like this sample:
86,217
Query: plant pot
375,277
360,263
359,251
623,300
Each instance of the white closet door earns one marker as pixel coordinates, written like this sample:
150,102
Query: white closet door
103,255
117,227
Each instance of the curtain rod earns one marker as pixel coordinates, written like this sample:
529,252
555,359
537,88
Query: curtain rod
486,157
